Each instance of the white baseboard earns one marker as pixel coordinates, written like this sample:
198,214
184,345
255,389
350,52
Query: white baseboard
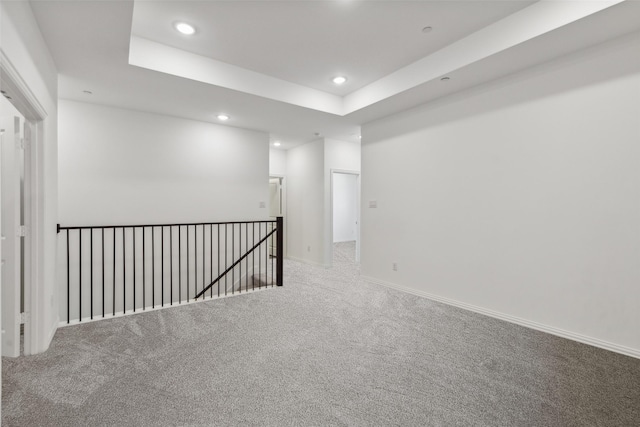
158,307
628,351
53,330
36,349
304,261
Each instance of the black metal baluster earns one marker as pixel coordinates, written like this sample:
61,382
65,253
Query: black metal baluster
246,260
144,268
203,261
113,312
259,256
233,258
179,265
195,259
91,269
226,263
162,266
211,258
218,284
103,272
124,273
253,257
134,269
80,275
153,267
271,254
68,282
187,263
171,263
240,252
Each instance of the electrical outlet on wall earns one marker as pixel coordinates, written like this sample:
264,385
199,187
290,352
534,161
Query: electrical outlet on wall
394,265
262,205
308,248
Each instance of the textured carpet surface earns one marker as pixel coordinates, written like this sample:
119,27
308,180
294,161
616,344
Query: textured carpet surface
325,350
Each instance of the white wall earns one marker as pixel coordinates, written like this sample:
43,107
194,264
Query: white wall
345,209
520,198
309,232
23,47
342,155
125,167
131,168
305,203
277,162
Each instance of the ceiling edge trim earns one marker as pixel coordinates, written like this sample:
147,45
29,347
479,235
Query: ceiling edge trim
155,56
526,24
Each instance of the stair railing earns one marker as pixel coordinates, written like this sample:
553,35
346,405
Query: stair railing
121,269
250,251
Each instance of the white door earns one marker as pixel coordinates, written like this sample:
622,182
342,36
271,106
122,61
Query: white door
11,241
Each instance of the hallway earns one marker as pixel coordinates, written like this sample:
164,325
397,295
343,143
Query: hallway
326,349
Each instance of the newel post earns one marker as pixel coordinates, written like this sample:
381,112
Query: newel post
279,249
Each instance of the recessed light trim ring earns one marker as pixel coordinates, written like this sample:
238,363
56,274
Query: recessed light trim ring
339,80
184,28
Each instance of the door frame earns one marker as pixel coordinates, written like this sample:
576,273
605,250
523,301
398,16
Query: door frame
283,202
27,104
358,213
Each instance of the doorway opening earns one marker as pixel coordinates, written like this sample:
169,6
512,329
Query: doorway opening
276,206
345,216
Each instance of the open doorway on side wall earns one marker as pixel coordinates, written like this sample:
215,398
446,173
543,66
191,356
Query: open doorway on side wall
275,196
15,133
345,216
276,204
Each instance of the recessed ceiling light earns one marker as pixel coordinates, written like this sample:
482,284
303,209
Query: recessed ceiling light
427,29
444,79
276,144
339,80
223,117
185,28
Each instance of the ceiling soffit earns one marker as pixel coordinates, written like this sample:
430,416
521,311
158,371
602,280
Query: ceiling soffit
525,24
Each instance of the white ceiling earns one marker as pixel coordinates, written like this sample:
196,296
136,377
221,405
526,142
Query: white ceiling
268,64
309,42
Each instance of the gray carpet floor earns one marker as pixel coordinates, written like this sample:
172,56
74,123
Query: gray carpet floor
327,349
